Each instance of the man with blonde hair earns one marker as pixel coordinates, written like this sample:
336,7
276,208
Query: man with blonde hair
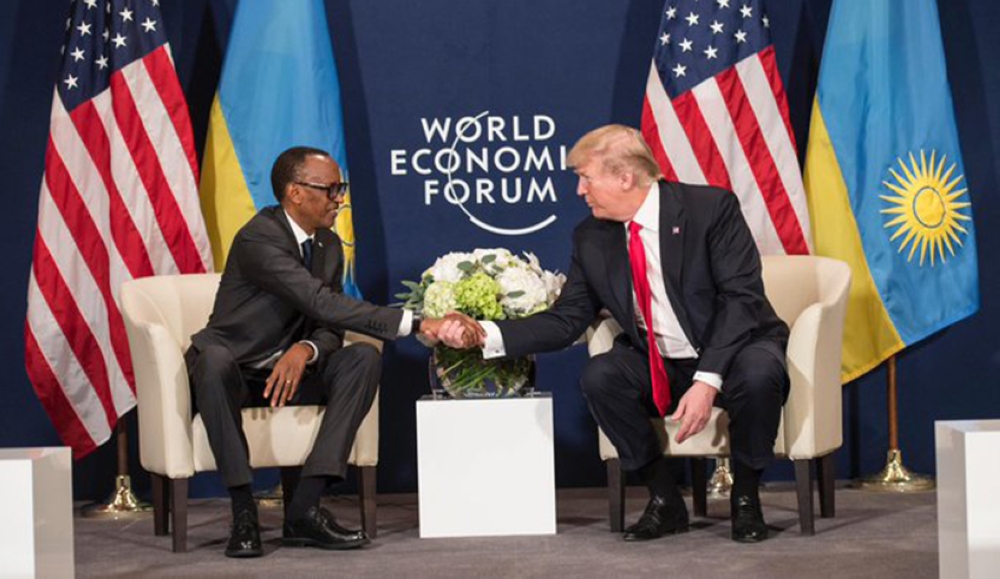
677,268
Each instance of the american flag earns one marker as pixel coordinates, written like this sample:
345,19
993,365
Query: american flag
715,113
119,200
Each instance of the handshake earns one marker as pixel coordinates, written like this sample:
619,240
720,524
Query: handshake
455,330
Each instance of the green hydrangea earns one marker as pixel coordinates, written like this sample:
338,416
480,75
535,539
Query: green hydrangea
477,296
439,299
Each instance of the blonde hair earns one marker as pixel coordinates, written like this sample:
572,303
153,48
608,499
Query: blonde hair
617,147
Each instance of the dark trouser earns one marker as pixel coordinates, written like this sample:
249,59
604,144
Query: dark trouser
345,384
618,390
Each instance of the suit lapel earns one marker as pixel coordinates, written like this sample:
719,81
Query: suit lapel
673,230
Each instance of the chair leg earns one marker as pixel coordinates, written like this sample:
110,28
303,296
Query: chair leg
803,489
366,496
290,476
616,495
178,512
699,487
826,476
161,504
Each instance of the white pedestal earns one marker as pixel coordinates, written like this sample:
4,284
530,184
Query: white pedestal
486,467
36,502
968,474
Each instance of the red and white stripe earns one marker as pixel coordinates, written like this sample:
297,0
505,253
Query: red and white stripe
733,131
119,200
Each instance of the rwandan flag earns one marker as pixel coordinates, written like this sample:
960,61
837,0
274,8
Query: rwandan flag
279,89
884,179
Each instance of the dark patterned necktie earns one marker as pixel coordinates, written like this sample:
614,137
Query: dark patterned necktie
307,253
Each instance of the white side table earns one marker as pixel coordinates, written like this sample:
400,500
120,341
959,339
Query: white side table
36,499
486,467
968,473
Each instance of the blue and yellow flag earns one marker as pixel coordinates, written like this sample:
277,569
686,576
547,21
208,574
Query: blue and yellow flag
885,181
279,89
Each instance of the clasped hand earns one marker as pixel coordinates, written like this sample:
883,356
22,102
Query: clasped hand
455,330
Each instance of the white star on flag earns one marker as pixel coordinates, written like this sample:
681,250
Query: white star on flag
71,81
664,39
686,45
711,52
90,3
746,11
741,37
680,70
692,19
722,4
119,40
149,25
102,62
717,27
671,13
77,54
126,15
84,28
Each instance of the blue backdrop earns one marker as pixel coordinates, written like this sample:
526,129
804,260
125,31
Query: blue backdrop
534,76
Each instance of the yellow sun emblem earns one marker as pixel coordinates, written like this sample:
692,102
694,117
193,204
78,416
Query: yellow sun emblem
926,208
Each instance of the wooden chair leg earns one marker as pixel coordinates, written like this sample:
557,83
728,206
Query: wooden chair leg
289,482
616,495
803,489
178,512
826,477
161,504
366,496
699,486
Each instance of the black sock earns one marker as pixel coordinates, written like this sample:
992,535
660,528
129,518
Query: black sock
746,480
658,478
242,499
307,494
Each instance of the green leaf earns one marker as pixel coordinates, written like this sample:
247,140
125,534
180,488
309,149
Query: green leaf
410,284
466,266
516,294
489,258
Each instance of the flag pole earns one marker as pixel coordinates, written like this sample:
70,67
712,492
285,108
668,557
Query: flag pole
123,502
895,477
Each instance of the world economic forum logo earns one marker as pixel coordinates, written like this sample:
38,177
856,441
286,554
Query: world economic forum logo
487,164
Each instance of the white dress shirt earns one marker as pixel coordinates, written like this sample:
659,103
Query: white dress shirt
670,338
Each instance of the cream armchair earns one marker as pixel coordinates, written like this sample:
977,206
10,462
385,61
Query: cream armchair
161,313
810,295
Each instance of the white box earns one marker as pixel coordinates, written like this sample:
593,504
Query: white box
968,498
36,502
486,467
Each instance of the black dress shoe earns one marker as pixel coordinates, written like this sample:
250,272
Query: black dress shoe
748,520
661,517
244,536
331,522
313,530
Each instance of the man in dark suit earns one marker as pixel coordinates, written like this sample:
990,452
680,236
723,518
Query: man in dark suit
275,337
683,256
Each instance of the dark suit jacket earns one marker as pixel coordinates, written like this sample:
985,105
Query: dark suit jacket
268,300
713,281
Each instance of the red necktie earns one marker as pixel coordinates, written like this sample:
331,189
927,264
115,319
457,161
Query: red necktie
640,281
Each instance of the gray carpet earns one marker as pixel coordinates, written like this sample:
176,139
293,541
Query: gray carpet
873,535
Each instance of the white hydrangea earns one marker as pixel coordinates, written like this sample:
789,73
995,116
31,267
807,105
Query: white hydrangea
531,289
533,262
501,260
553,285
439,299
446,267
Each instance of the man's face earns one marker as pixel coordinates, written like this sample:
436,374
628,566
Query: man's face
603,192
316,209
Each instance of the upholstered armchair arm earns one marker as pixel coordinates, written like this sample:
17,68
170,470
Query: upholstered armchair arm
601,336
163,399
813,414
365,449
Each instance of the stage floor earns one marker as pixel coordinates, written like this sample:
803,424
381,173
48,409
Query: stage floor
873,535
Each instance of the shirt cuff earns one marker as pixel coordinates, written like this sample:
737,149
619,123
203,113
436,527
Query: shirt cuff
493,344
405,324
711,378
312,359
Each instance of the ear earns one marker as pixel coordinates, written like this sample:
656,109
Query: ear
627,180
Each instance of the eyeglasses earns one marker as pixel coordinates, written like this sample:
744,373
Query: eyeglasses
332,191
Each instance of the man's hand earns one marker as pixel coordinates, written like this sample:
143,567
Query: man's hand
694,410
456,330
284,380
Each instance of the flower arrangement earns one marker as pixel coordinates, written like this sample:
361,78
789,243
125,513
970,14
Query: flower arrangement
486,284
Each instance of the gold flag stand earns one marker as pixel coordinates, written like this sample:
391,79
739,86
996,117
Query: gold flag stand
123,502
721,482
895,477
